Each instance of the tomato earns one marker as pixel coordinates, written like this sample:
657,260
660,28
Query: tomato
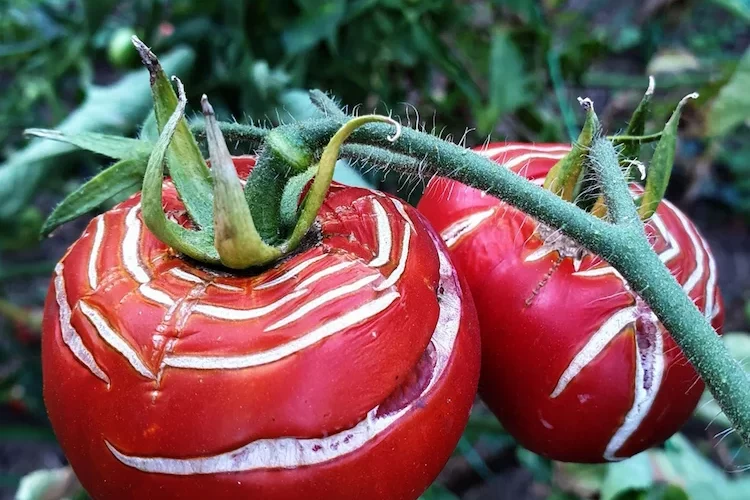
347,370
120,49
574,364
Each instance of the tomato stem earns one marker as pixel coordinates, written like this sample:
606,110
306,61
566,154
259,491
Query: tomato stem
623,244
317,193
637,139
620,207
250,136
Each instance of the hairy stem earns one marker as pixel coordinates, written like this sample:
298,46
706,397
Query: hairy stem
317,193
617,198
638,139
724,376
249,135
623,245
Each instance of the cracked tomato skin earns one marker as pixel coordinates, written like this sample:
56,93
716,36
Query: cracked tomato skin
346,371
574,364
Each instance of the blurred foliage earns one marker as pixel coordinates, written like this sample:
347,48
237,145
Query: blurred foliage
508,69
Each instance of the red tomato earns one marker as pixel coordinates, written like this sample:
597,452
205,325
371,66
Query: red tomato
574,364
346,371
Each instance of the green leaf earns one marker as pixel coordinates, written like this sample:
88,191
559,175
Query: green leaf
680,464
438,492
507,82
740,8
124,176
116,109
731,107
119,148
149,131
633,474
435,50
540,467
49,484
582,479
673,61
564,178
320,24
196,244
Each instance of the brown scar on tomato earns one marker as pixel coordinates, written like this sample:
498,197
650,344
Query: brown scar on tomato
538,288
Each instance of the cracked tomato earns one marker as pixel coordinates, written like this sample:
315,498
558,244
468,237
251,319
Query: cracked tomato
346,371
574,364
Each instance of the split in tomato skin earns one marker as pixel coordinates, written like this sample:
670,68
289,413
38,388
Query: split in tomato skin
574,364
163,378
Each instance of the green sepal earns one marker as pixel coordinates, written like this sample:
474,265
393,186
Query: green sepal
112,146
123,177
187,168
660,168
290,202
637,127
263,191
235,238
564,178
285,153
196,244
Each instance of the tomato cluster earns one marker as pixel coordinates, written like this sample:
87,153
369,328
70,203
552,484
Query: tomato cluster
349,368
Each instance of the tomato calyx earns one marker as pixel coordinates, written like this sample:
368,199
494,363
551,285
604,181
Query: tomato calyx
574,177
227,223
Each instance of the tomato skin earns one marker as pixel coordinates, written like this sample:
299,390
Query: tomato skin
538,313
143,416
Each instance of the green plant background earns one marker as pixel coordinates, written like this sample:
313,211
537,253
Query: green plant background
503,69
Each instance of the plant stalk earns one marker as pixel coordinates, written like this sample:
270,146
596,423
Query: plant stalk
623,245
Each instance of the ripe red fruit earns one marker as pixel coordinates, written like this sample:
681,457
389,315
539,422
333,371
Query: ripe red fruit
346,371
574,364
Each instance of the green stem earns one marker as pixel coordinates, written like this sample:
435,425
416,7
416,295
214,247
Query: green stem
619,202
634,258
249,135
641,139
317,193
453,161
364,155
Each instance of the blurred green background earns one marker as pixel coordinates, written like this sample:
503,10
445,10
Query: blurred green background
469,70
